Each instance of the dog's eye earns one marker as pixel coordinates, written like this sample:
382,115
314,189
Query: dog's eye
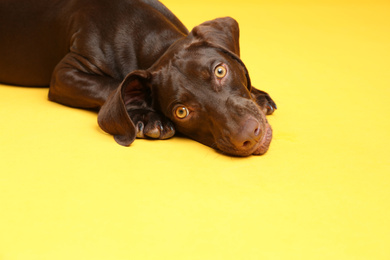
220,71
182,112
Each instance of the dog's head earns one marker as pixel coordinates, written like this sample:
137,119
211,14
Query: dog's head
203,87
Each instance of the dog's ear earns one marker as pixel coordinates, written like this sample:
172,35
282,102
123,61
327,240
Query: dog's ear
113,118
221,31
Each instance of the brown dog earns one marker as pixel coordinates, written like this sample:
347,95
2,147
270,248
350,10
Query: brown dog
136,63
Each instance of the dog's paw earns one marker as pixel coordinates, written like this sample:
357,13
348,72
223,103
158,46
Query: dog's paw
264,101
150,124
270,106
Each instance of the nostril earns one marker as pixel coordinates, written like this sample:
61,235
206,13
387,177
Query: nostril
247,135
257,131
246,143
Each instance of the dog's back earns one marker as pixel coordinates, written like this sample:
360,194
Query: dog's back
36,35
30,44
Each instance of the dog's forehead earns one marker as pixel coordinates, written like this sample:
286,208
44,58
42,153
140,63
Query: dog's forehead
200,53
201,61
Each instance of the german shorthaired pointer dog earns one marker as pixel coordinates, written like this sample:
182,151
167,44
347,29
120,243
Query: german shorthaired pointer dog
138,65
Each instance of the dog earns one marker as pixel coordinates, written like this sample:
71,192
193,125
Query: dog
136,64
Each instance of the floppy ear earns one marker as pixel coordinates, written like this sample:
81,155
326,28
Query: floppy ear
221,31
224,34
113,117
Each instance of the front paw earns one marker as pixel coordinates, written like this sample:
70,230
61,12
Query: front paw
270,106
264,101
150,124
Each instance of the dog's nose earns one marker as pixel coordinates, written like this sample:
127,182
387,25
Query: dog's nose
248,135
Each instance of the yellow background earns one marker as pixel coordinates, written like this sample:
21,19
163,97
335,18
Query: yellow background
68,191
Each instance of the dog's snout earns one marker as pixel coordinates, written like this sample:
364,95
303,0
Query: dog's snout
248,135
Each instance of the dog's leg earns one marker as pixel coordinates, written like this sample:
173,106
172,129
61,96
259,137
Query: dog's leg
264,101
76,82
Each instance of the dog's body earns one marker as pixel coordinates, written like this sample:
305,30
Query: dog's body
136,63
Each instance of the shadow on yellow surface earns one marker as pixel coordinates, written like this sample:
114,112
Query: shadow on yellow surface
68,191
